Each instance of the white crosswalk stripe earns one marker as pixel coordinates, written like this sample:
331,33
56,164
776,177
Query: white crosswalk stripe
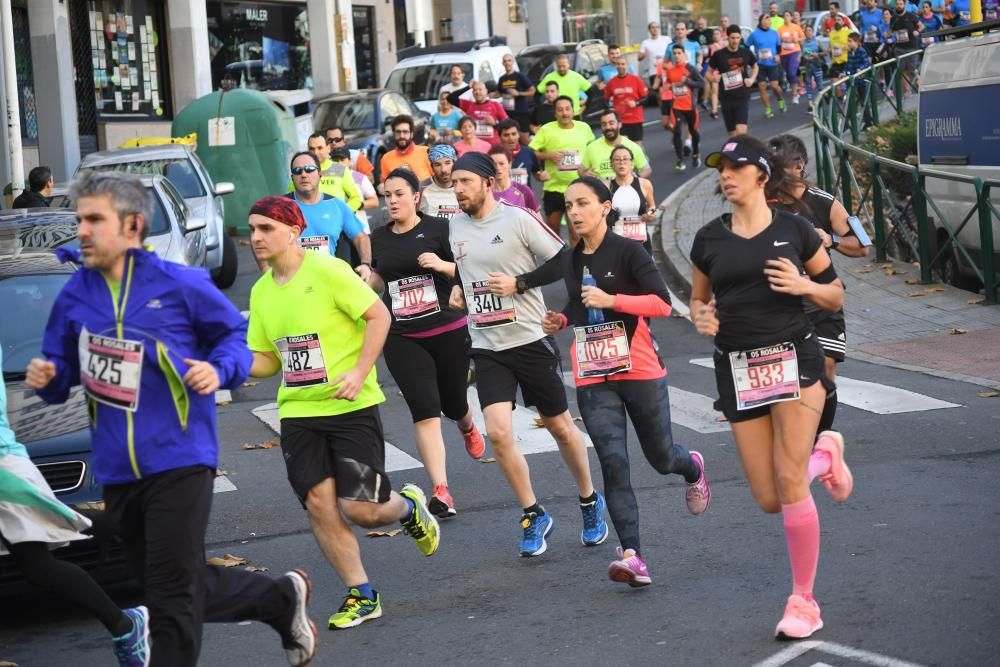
874,397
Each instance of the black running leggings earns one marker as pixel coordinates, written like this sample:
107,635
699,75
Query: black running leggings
691,118
603,408
56,576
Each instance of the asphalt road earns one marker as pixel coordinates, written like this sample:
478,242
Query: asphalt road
908,565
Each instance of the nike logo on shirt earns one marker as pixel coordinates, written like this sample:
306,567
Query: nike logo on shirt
780,243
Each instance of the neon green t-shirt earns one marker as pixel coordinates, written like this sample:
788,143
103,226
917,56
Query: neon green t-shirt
313,325
838,45
572,85
597,157
551,138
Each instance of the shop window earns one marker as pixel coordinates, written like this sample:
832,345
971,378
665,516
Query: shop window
259,45
25,80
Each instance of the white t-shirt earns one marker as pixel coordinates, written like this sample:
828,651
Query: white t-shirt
449,87
438,201
514,241
367,190
654,50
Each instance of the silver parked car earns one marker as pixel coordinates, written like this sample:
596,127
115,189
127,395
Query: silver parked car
181,166
176,233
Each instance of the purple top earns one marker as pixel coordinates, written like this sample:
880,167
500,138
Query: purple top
518,195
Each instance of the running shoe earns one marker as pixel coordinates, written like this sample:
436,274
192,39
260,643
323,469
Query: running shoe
302,639
699,494
687,147
595,528
801,619
714,114
536,528
795,99
421,525
809,107
839,481
356,610
782,107
695,161
629,569
475,444
132,648
680,166
441,504
768,112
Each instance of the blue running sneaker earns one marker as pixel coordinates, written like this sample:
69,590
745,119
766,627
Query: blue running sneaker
536,528
595,528
132,648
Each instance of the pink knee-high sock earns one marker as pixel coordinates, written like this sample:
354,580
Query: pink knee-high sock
819,464
802,536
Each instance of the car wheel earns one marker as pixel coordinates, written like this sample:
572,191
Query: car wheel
225,275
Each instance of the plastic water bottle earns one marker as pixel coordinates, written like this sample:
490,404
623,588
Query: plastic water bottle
594,315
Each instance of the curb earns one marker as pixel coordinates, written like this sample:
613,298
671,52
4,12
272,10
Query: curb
676,264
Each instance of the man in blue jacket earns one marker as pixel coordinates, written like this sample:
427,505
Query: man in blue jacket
151,341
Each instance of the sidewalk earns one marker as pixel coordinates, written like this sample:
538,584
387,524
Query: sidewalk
889,322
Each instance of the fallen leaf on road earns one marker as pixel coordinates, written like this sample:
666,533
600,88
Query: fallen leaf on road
219,472
250,384
539,422
975,302
228,560
267,444
384,533
222,403
934,289
912,281
958,332
864,269
989,394
254,568
487,459
244,242
918,293
891,271
886,265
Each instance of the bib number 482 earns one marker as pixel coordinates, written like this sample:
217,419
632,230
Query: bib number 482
298,360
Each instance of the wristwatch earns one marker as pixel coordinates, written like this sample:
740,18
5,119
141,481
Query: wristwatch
834,241
521,285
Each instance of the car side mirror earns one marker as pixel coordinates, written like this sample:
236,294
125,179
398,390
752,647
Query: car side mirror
224,188
193,224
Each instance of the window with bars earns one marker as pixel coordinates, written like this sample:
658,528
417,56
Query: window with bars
25,78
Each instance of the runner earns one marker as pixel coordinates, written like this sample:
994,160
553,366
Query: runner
872,26
486,112
427,347
545,110
156,450
651,51
812,64
437,195
526,163
315,322
768,363
714,46
359,162
33,521
406,154
838,47
572,84
495,246
683,79
331,175
632,197
735,68
597,156
829,23
626,92
444,122
766,42
326,216
906,29
791,51
830,218
560,145
470,141
609,312
369,197
505,189
516,91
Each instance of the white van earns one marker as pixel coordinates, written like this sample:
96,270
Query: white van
958,130
421,72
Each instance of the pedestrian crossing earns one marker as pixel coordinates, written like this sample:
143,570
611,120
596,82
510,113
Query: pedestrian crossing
688,409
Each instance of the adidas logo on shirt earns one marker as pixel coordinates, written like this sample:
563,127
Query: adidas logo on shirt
496,240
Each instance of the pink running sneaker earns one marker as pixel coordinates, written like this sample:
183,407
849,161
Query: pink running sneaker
475,444
699,494
441,503
839,481
801,619
629,569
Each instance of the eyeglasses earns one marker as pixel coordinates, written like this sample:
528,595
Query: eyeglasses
335,140
309,168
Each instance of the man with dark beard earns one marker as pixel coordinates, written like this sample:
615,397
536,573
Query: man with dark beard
597,157
406,154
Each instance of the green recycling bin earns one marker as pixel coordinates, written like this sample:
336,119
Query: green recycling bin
244,137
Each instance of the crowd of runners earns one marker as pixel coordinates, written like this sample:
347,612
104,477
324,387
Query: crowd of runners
448,289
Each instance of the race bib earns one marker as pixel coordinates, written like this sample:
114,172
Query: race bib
631,227
872,35
519,175
302,360
788,46
704,52
732,80
965,16
488,310
446,211
927,41
317,243
508,102
414,297
570,161
679,90
902,36
765,375
990,14
111,369
483,130
601,349
765,54
836,51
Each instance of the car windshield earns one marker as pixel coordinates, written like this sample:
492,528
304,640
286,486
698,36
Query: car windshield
31,297
534,63
348,113
423,82
181,172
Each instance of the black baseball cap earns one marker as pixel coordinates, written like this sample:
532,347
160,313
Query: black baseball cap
742,150
340,154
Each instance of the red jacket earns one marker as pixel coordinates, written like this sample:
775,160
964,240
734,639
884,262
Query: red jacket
622,89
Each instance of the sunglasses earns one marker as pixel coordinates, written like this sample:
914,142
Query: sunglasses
297,171
335,140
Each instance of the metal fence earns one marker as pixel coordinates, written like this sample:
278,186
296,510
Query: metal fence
890,196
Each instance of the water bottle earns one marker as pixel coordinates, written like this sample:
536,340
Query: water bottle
594,315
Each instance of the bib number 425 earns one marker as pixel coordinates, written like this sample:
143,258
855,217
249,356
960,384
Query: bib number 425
105,369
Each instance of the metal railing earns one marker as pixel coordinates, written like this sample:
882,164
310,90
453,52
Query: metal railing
863,179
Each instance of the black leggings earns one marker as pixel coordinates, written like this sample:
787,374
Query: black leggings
603,408
49,573
431,372
691,118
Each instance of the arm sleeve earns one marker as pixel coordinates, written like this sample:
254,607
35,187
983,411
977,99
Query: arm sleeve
59,345
654,300
454,97
547,273
695,79
221,329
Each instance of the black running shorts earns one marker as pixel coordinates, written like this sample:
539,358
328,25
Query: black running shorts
735,112
633,131
553,202
831,330
535,367
349,448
